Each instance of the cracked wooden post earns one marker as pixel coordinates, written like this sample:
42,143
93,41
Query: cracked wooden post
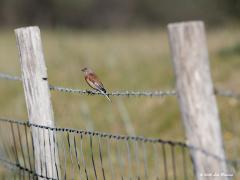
37,96
196,97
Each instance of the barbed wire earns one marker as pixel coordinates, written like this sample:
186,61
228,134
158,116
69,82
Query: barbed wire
9,77
218,92
93,92
116,93
227,93
95,133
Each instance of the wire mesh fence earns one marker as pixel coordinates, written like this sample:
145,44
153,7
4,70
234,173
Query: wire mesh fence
95,155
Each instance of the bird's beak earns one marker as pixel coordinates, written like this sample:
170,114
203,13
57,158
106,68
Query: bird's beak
82,70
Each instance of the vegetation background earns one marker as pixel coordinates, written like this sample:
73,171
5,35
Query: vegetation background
125,43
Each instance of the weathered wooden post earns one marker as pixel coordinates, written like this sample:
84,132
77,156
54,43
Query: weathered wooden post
39,107
196,97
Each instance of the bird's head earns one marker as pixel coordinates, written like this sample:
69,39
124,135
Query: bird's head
84,69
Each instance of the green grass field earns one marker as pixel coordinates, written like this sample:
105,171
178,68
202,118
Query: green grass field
124,60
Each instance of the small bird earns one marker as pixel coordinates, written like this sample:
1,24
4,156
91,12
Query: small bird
93,81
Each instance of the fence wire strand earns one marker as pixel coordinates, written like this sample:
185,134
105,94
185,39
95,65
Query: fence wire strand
227,93
10,77
127,93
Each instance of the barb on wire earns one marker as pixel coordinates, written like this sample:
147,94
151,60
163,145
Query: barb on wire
218,92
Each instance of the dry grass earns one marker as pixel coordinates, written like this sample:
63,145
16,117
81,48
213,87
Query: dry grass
126,60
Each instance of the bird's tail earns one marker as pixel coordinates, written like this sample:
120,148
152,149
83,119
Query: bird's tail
107,96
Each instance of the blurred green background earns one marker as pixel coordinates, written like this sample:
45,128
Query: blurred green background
125,43
115,13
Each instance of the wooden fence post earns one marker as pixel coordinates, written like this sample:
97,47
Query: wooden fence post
39,107
196,97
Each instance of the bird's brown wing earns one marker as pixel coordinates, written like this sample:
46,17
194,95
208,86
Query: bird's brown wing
94,82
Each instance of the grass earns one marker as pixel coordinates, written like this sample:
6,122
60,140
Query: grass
124,60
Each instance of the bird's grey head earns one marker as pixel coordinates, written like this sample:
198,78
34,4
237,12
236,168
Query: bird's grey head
86,70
